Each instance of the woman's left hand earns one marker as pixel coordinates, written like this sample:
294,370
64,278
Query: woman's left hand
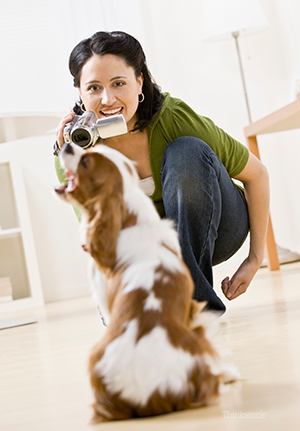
240,281
256,186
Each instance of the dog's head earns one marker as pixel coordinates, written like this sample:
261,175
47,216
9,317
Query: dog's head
93,173
100,183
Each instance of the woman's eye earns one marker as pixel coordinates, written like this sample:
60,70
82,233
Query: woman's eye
119,83
93,88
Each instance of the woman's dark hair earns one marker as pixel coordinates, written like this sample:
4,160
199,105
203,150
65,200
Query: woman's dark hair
127,47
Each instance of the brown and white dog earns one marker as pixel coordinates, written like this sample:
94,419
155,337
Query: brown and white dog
156,355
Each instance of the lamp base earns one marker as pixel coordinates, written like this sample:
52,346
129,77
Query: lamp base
284,255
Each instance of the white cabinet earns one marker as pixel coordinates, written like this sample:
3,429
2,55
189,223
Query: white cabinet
26,161
18,259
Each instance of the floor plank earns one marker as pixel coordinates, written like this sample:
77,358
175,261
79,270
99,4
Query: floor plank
45,385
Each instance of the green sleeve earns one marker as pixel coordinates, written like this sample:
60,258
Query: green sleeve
231,152
60,172
63,180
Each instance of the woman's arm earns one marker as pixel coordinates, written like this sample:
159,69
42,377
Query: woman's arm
256,185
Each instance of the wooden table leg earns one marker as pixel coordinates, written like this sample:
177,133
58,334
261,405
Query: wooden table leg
272,255
253,146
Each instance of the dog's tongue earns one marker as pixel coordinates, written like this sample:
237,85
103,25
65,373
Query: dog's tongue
60,189
72,184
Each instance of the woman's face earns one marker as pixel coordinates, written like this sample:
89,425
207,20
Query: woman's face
108,86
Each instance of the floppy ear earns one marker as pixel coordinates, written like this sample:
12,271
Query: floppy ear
103,230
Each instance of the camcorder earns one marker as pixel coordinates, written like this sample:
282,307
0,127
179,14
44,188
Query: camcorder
84,130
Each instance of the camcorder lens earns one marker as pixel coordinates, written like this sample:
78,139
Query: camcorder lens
81,137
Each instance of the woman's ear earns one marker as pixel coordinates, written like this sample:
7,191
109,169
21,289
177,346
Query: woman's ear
140,81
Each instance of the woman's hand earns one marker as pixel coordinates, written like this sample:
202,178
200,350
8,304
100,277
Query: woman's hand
256,185
60,129
240,281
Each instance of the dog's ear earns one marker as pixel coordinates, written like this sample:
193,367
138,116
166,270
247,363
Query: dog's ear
103,230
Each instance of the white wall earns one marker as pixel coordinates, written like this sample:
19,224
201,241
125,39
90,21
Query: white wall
36,39
37,36
207,76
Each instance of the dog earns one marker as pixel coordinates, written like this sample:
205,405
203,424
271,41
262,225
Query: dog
156,355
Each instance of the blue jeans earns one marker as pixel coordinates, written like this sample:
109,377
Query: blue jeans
209,211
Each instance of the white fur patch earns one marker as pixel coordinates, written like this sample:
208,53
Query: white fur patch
152,303
70,161
139,276
135,369
160,276
142,249
97,282
217,365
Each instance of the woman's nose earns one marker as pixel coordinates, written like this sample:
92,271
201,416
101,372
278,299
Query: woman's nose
108,97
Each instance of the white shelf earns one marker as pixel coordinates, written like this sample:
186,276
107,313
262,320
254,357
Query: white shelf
6,233
18,259
17,305
11,323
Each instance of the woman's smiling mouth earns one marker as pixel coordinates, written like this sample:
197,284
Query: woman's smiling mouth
109,112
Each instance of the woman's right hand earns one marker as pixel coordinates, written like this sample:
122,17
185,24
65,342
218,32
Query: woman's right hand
60,129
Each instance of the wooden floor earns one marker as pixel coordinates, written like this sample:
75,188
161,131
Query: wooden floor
45,387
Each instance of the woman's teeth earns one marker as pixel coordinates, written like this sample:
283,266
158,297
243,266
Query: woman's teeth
111,111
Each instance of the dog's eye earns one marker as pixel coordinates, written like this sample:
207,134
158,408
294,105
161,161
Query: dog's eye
84,161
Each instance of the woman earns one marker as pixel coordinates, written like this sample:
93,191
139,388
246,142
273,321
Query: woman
185,162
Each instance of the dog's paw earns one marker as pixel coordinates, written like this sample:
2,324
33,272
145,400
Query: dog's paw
230,374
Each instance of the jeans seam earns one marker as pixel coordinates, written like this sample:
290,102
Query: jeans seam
205,242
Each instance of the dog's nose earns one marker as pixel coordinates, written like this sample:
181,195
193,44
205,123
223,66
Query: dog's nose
67,148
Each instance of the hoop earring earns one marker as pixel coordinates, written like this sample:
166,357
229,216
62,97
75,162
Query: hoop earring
82,107
142,99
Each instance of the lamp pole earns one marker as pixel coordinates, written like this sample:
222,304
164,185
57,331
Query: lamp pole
235,34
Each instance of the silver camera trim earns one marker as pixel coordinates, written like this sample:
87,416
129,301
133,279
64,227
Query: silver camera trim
106,127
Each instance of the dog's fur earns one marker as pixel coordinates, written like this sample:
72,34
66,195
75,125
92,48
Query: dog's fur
156,355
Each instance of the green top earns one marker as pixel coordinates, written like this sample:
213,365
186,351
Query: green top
176,119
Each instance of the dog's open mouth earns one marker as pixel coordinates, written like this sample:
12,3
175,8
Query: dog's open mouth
72,183
70,187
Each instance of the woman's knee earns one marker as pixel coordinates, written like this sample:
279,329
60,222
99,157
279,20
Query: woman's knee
187,160
189,179
184,150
